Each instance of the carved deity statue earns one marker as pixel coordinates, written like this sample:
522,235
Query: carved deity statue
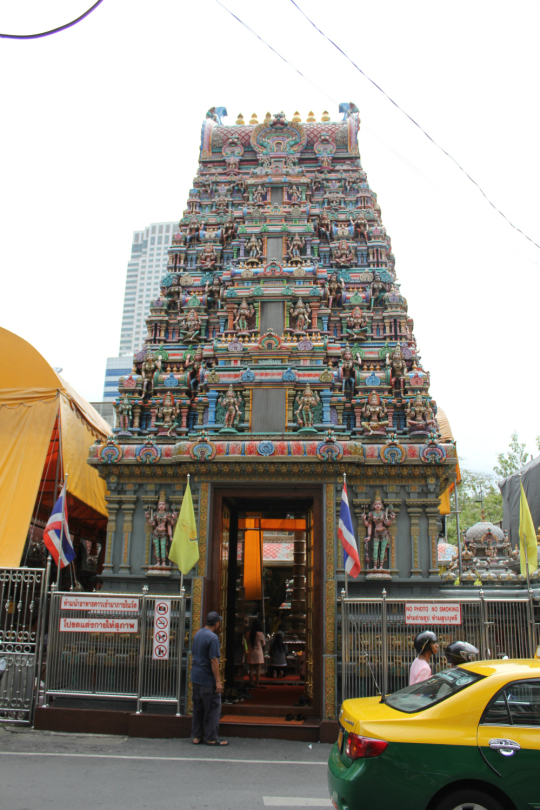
258,195
162,520
306,403
375,415
357,324
231,405
398,368
124,413
349,370
359,224
378,290
208,257
194,365
192,232
294,194
420,417
190,327
300,312
343,255
149,367
167,411
294,246
377,522
254,247
214,293
324,227
244,312
229,231
334,291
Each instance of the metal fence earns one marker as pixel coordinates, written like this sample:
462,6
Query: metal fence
377,641
22,597
116,646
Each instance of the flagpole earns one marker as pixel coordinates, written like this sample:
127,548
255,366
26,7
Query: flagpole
59,462
346,575
525,549
61,535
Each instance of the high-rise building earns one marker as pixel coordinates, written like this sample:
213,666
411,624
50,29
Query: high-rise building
145,270
146,267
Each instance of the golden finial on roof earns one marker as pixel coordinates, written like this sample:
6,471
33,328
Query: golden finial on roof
325,116
311,117
240,120
267,118
253,119
296,118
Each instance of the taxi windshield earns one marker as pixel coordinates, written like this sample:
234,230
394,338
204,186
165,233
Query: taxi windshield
439,687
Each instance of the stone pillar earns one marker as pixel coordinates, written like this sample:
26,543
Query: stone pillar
128,507
112,505
212,401
325,399
314,315
415,510
433,514
298,605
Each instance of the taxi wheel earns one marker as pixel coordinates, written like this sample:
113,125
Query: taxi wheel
468,799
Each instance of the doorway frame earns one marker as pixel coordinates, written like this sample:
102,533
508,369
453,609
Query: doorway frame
288,492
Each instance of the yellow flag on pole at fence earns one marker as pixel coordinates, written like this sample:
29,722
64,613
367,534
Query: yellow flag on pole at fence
184,549
528,550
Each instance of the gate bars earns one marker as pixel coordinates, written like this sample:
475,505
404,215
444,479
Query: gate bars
117,661
22,598
377,646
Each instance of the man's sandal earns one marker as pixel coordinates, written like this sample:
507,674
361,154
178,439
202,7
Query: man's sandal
196,741
216,742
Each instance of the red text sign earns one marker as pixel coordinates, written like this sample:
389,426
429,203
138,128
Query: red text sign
427,613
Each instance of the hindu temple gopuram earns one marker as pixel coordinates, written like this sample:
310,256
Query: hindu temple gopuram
280,355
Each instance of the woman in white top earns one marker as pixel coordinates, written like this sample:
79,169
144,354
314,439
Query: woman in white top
255,656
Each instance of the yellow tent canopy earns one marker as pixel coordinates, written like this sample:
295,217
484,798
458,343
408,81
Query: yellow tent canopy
39,413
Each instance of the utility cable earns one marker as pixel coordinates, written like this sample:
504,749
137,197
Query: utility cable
53,30
416,124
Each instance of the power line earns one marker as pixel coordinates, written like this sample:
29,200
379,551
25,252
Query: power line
416,124
53,30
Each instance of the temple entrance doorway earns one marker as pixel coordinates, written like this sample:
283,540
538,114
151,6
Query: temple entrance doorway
266,580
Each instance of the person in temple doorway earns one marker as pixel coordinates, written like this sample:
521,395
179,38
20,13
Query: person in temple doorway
207,686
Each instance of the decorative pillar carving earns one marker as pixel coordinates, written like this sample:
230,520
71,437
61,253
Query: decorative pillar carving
415,510
112,504
299,585
128,507
433,514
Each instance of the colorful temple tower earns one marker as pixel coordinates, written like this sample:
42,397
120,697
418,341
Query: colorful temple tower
280,355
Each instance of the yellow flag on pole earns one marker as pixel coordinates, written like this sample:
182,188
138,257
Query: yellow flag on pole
184,549
528,550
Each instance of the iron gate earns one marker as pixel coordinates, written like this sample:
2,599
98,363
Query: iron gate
22,599
377,643
116,646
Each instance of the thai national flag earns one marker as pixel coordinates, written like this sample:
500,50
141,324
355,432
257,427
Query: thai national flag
346,535
56,535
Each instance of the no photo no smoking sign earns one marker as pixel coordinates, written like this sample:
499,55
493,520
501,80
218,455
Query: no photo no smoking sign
162,630
425,613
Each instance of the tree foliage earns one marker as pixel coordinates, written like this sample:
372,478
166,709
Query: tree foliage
474,487
512,461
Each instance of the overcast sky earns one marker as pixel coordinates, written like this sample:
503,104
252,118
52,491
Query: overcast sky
99,136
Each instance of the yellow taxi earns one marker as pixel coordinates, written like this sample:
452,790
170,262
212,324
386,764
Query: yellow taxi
468,738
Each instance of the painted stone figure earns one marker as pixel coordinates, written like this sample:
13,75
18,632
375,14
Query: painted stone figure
244,313
258,195
398,368
324,227
190,327
333,291
343,255
231,407
300,312
375,415
194,365
124,413
229,231
377,522
208,257
378,290
149,367
349,371
357,324
167,412
294,247
420,417
162,520
306,403
254,247
214,293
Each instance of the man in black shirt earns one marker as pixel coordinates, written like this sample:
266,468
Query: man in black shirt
207,686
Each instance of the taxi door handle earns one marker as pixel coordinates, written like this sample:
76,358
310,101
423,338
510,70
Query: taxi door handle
506,748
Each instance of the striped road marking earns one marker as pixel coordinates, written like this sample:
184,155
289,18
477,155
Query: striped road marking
172,759
292,801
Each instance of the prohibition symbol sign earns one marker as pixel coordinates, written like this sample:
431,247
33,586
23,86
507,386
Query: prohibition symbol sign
162,622
160,651
162,607
161,637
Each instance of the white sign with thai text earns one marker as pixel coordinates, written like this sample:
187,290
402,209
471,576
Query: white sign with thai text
162,630
101,604
99,625
426,613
